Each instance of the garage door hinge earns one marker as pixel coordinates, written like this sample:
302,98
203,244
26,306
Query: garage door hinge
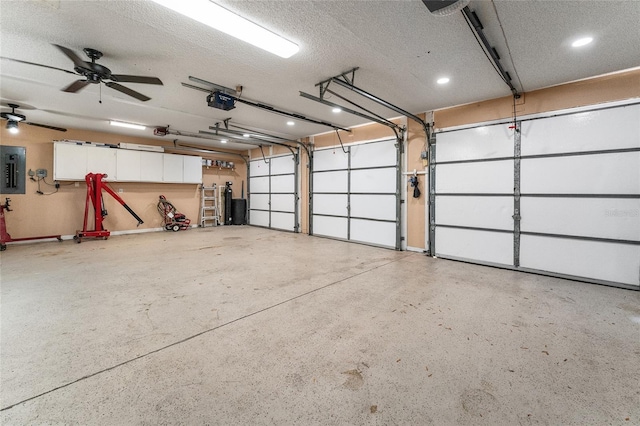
401,201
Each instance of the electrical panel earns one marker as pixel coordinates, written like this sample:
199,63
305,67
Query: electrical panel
13,169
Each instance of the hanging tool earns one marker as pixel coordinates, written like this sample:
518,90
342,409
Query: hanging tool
414,184
95,185
4,235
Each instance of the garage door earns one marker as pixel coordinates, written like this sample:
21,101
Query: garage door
355,193
273,193
560,196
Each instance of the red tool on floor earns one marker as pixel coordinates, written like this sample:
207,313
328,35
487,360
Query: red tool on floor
173,220
95,185
4,235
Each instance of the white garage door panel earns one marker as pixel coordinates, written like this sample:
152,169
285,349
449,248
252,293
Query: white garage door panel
591,217
491,177
373,154
374,180
260,201
330,159
381,207
471,144
585,174
378,233
583,131
335,227
330,182
332,204
598,260
282,165
259,218
483,246
283,184
283,202
258,168
282,221
477,212
259,184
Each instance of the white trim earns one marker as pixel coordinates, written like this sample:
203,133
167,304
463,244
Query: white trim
388,138
551,113
368,123
416,249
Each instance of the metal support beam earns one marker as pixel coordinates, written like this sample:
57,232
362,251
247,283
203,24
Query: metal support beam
384,103
267,107
432,196
477,28
516,193
347,110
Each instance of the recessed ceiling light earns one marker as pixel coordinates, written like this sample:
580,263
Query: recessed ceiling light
290,123
582,42
221,19
443,80
223,141
337,110
127,125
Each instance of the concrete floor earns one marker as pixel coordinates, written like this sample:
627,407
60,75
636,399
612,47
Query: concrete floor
242,325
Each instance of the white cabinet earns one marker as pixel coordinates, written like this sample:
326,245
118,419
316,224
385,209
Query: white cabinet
173,165
128,165
69,161
192,169
73,161
151,166
102,160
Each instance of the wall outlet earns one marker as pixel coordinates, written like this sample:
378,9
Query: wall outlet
77,184
120,190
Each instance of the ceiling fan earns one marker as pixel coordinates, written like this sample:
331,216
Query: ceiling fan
95,73
13,118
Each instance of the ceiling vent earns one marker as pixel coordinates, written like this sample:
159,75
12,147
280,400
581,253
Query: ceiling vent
445,7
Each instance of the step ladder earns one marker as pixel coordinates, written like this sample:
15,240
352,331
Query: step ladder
209,213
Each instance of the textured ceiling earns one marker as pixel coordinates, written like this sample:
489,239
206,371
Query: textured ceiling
400,47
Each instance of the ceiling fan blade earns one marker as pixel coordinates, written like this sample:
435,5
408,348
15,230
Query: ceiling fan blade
122,78
38,65
72,55
46,126
76,86
127,91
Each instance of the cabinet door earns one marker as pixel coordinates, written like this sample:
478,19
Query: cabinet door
128,165
173,167
192,172
69,161
102,160
151,166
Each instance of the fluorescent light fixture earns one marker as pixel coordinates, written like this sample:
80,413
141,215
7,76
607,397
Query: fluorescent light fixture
337,110
127,125
221,19
443,80
582,42
290,123
246,135
224,140
12,126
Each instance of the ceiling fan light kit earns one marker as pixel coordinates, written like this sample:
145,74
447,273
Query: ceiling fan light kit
12,126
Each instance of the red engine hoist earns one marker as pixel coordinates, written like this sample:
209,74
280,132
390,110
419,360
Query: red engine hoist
95,185
4,235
